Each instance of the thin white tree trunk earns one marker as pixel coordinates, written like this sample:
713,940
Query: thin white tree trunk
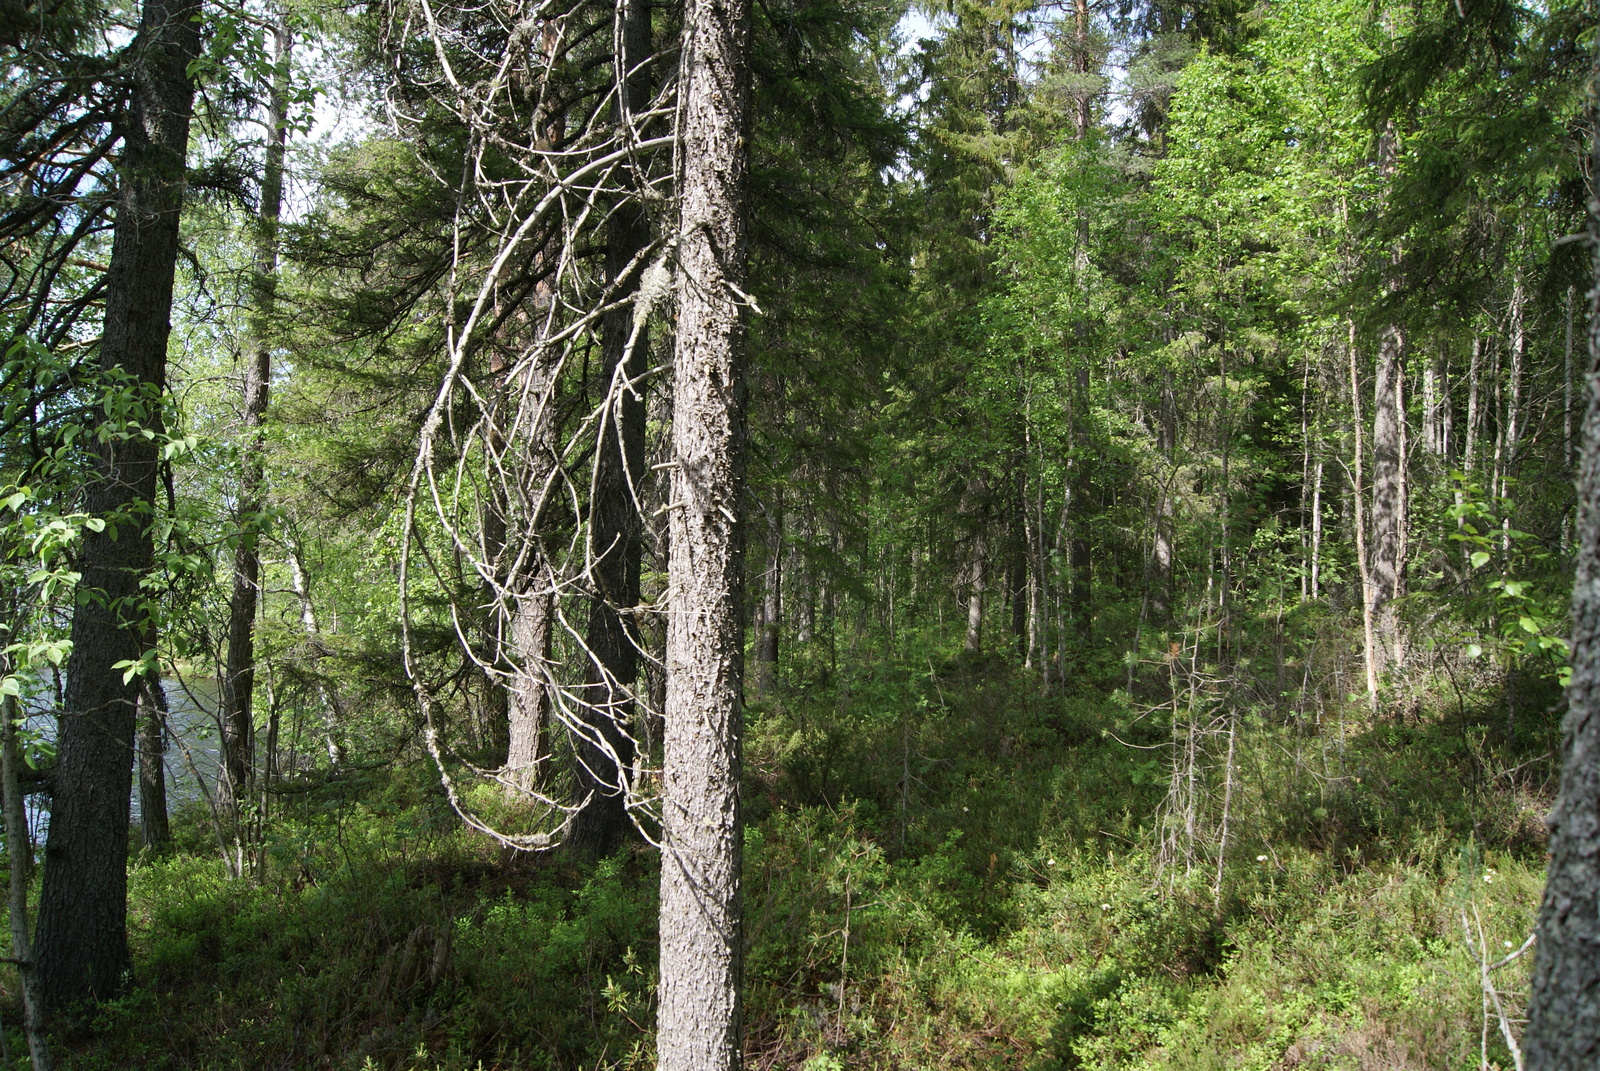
1360,525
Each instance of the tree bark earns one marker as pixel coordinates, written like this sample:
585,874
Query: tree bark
770,612
1359,524
1388,500
1017,579
152,717
698,1022
82,939
333,716
529,634
605,747
978,577
20,852
1162,551
238,683
1513,421
1078,494
1564,1006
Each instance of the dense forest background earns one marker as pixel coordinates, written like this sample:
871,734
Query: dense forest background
1158,526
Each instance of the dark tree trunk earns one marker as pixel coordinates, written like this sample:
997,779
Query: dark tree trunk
698,1023
20,854
152,717
82,943
605,749
238,682
1564,1007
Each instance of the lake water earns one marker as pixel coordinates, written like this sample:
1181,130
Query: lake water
191,745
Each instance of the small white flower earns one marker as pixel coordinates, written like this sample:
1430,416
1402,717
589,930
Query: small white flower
964,810
1488,878
1049,862
1261,859
1105,907
1506,943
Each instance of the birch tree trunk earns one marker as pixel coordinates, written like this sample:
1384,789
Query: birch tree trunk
698,1022
82,946
333,715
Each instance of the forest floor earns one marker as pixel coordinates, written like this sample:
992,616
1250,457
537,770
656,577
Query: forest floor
943,870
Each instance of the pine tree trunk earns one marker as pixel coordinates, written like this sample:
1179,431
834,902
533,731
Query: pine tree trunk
528,638
238,683
1564,1006
616,548
698,1023
82,945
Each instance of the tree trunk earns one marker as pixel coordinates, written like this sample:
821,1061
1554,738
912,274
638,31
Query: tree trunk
1436,407
1359,524
1316,531
1513,422
1564,1007
1388,503
1161,553
1566,388
978,577
529,634
238,683
1017,581
1469,449
333,714
605,748
770,612
83,910
698,1022
20,852
1078,490
152,719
